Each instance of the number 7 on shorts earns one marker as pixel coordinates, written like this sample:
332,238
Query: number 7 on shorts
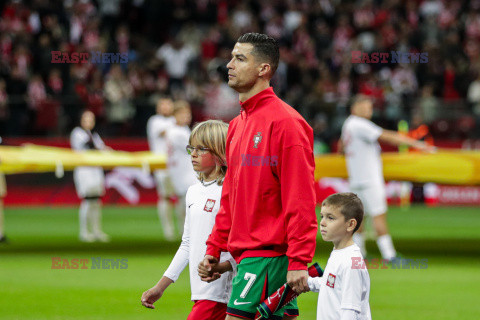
250,277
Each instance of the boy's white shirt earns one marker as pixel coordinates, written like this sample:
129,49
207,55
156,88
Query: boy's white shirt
179,163
342,287
202,205
155,126
362,151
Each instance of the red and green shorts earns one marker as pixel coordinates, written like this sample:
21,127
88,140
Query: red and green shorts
256,279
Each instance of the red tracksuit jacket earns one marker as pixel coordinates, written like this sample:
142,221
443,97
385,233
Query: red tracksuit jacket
268,199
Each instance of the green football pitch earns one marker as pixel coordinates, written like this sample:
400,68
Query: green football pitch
449,288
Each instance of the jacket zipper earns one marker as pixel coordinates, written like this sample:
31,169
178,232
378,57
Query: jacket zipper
242,112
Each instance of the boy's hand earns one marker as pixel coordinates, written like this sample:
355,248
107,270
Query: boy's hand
150,296
297,280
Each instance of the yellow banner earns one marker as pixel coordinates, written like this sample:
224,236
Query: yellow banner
32,158
446,167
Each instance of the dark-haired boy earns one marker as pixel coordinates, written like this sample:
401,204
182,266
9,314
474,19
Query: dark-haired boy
344,290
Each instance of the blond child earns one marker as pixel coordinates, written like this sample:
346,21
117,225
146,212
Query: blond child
206,147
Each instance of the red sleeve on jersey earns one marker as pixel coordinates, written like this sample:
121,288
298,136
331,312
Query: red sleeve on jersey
217,241
295,170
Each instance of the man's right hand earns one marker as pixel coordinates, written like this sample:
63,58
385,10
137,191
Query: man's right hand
297,280
207,267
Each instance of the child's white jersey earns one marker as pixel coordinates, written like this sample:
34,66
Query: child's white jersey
179,163
202,204
155,126
345,285
362,151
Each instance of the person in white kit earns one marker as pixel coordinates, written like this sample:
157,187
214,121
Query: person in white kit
89,181
3,193
207,150
157,127
179,166
359,143
344,289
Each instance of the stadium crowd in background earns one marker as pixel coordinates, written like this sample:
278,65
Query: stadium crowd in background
180,48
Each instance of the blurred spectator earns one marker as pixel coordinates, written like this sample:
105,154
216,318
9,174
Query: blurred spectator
474,100
96,99
275,26
91,35
403,80
119,93
176,56
21,60
242,17
37,93
430,8
322,135
19,116
109,12
474,95
449,75
293,17
221,102
122,40
55,83
4,112
428,104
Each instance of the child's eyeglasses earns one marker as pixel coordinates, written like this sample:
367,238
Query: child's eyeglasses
200,150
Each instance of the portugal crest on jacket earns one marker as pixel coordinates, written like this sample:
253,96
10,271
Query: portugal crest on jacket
209,205
257,139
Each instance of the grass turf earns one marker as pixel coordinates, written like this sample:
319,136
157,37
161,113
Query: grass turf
31,289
